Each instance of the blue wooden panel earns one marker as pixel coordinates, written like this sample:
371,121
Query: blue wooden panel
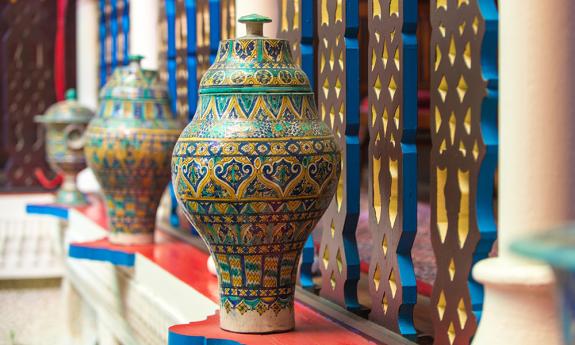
215,28
307,63
102,35
171,52
113,256
125,23
47,209
181,339
114,33
485,185
353,166
192,60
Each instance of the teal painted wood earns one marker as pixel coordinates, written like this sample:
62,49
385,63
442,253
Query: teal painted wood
308,59
463,159
392,70
338,102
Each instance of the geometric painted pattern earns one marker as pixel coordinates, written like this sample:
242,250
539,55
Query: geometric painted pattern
338,103
392,79
463,159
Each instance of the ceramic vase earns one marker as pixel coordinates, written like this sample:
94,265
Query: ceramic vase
254,171
129,145
65,124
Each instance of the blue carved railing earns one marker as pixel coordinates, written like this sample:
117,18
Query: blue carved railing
114,30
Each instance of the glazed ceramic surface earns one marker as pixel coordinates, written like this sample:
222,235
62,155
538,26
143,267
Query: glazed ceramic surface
129,145
66,123
254,171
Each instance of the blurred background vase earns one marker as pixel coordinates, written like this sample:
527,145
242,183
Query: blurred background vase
65,124
254,171
129,145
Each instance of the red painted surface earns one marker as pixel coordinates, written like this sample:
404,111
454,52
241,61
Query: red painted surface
188,264
311,329
95,210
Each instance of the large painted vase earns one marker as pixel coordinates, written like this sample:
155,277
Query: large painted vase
254,171
129,145
66,122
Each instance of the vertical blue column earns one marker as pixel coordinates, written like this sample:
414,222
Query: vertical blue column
102,35
114,33
215,28
353,153
307,64
171,52
192,40
126,31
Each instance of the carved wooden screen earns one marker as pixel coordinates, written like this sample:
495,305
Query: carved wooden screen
338,102
27,29
290,26
114,34
188,51
463,158
392,161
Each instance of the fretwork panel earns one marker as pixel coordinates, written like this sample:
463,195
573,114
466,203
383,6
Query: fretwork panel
392,161
28,30
290,26
114,36
338,102
463,159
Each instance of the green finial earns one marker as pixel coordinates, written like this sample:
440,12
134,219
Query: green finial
254,24
135,58
71,95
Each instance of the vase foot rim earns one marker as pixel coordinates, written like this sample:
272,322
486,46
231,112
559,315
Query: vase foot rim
130,239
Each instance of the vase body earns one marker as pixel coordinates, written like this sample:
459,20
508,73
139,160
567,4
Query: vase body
65,124
128,147
254,171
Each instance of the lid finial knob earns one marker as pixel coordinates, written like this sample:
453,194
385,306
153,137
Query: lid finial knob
71,95
254,24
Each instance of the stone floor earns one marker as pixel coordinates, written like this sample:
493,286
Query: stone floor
31,312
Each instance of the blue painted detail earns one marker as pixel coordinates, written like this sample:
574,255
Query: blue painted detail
192,60
171,52
484,199
174,220
115,257
102,36
114,33
308,31
215,28
51,210
126,31
180,339
352,151
408,187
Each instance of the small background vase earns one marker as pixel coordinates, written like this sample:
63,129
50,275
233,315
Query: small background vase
254,171
66,123
129,145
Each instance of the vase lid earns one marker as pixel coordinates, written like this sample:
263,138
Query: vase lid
254,63
66,111
132,82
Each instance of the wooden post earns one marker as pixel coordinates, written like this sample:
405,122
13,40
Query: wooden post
87,52
537,161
